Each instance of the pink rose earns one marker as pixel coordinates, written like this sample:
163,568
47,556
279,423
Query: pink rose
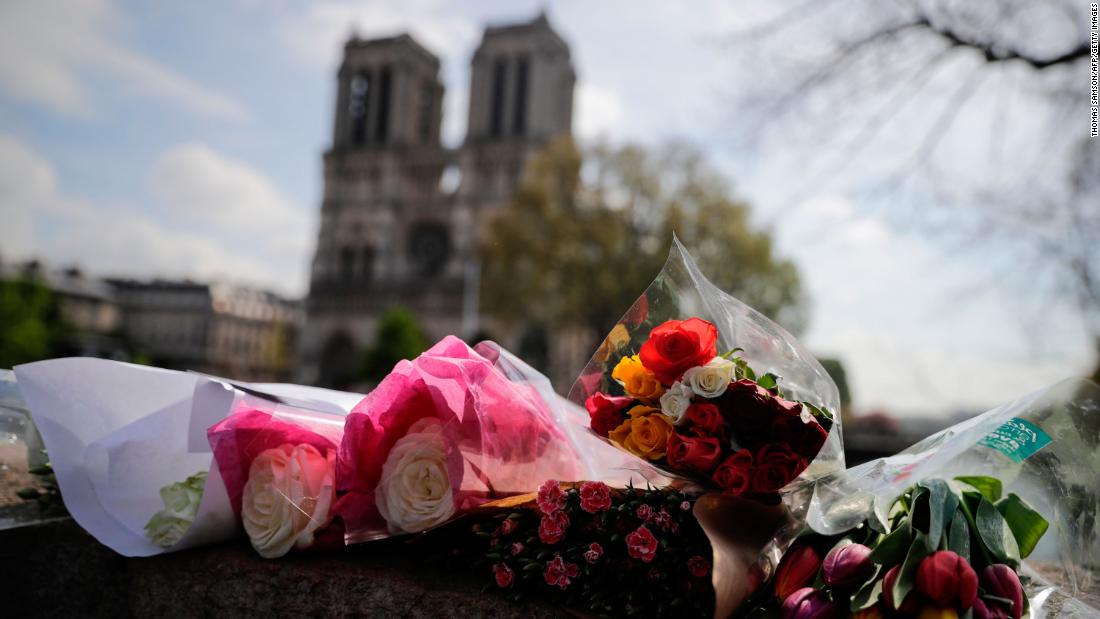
595,496
644,512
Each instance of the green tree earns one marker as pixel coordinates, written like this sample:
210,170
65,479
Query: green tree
31,327
586,233
398,337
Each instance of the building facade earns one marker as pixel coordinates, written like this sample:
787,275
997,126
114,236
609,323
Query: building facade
401,214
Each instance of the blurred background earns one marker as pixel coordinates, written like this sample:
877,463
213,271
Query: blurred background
310,191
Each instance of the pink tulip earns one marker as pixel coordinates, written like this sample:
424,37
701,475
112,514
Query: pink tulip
947,579
847,567
806,603
1001,581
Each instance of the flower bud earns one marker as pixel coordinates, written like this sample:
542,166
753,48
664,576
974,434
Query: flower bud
847,567
806,603
1001,581
990,611
911,602
797,569
947,579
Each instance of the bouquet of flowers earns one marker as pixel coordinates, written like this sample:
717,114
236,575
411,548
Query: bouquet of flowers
695,413
951,547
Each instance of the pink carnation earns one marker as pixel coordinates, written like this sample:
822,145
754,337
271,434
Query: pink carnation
595,496
559,572
552,527
641,544
550,497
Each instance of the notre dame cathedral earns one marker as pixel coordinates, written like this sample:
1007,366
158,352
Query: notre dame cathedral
402,215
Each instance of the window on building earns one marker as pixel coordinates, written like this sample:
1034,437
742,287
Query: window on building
425,104
366,264
496,104
382,123
347,263
519,113
358,102
429,248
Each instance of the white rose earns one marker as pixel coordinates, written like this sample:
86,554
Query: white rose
181,503
675,402
710,380
287,498
414,492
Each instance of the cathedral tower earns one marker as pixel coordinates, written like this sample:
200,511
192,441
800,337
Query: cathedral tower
389,234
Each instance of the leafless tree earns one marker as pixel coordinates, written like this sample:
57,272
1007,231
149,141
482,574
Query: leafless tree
971,116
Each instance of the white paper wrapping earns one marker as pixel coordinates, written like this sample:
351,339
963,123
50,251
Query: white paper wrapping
117,433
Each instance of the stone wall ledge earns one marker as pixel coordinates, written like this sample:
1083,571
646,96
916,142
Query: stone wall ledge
55,569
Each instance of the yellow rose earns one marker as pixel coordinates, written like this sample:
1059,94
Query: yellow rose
645,433
637,381
611,344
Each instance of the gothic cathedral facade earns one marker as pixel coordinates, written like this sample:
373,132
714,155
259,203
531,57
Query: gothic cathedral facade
402,215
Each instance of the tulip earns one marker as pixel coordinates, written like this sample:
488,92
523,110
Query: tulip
909,605
947,579
847,567
990,611
1001,581
797,569
806,603
933,612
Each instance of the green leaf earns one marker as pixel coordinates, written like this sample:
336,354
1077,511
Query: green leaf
990,487
891,550
958,535
769,381
996,535
942,503
1026,524
908,573
869,593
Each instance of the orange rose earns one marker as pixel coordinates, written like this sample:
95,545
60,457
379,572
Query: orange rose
645,433
637,381
614,342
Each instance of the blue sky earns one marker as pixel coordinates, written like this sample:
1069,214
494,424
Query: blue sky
184,139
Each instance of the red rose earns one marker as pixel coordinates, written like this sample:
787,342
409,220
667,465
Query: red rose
734,475
550,497
644,512
947,579
678,345
504,575
559,573
749,410
517,547
804,438
595,496
776,466
594,552
706,420
606,412
698,566
785,407
641,544
699,455
552,527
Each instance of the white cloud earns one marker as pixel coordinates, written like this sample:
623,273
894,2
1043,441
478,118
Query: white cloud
317,35
200,185
223,221
599,112
26,185
50,49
